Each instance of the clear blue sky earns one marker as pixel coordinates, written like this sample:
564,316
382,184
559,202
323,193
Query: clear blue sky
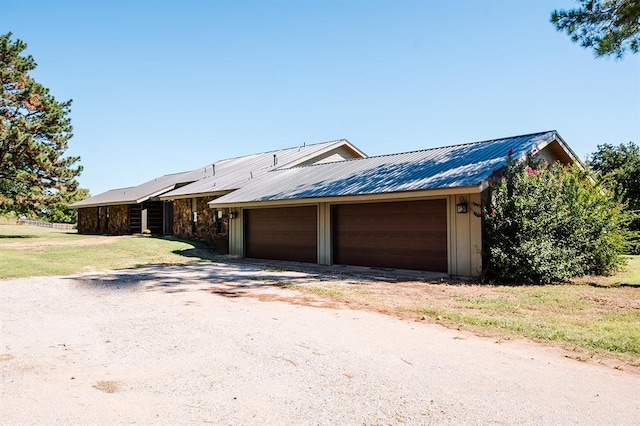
162,87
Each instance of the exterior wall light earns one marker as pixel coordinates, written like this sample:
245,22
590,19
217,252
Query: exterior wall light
461,207
233,214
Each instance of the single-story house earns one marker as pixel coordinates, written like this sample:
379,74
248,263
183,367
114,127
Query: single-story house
176,204
412,210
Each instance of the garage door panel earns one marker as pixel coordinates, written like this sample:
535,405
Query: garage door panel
404,235
288,233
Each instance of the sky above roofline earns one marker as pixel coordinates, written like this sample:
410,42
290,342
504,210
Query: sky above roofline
161,87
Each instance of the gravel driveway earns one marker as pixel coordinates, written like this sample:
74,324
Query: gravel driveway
211,343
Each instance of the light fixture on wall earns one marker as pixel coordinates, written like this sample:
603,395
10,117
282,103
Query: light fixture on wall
461,207
233,214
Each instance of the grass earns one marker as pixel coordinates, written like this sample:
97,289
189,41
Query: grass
604,319
31,251
628,276
21,234
320,291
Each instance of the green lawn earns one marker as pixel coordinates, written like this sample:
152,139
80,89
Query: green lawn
602,319
23,234
31,251
629,276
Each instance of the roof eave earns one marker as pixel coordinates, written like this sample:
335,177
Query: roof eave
372,197
167,197
111,203
157,193
565,148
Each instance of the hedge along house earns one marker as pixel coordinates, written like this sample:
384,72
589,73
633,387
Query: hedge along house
194,219
134,209
411,210
176,204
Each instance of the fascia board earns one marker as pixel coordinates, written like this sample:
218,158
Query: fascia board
195,195
155,194
390,196
112,203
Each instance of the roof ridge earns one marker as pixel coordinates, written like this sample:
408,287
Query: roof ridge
425,149
304,145
115,189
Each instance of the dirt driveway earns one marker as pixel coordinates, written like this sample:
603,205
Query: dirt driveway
226,344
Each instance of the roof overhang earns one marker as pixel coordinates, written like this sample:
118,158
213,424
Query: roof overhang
388,196
112,203
156,194
558,148
196,195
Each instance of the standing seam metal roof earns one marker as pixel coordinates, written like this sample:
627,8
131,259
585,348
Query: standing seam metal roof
446,167
223,175
236,172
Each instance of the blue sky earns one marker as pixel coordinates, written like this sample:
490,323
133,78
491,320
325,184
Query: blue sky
162,87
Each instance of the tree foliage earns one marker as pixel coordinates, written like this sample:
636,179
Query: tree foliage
34,131
60,212
548,223
609,27
619,168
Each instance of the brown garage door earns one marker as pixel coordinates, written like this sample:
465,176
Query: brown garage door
287,233
403,235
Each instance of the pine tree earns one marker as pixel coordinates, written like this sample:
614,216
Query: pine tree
610,27
34,131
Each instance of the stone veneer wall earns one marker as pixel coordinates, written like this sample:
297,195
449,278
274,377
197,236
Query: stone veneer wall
212,229
207,226
118,220
182,218
117,224
88,220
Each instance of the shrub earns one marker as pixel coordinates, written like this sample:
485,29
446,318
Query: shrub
547,223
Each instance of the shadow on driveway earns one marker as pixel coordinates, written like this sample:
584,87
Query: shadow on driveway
239,277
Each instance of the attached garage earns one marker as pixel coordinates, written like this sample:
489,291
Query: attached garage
403,235
417,210
288,233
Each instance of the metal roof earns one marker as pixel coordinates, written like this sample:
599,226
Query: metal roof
236,172
223,175
446,167
140,193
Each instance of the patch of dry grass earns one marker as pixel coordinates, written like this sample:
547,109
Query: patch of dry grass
107,386
598,319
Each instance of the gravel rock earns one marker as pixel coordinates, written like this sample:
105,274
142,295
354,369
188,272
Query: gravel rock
198,344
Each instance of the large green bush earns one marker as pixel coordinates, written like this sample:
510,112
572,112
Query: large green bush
547,223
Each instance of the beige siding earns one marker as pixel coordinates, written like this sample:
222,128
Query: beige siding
475,235
236,234
336,154
465,237
324,234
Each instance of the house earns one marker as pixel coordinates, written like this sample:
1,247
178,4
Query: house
176,204
412,210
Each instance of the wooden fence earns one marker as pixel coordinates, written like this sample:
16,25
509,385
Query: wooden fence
62,226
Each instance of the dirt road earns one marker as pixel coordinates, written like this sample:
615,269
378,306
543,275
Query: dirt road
201,344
